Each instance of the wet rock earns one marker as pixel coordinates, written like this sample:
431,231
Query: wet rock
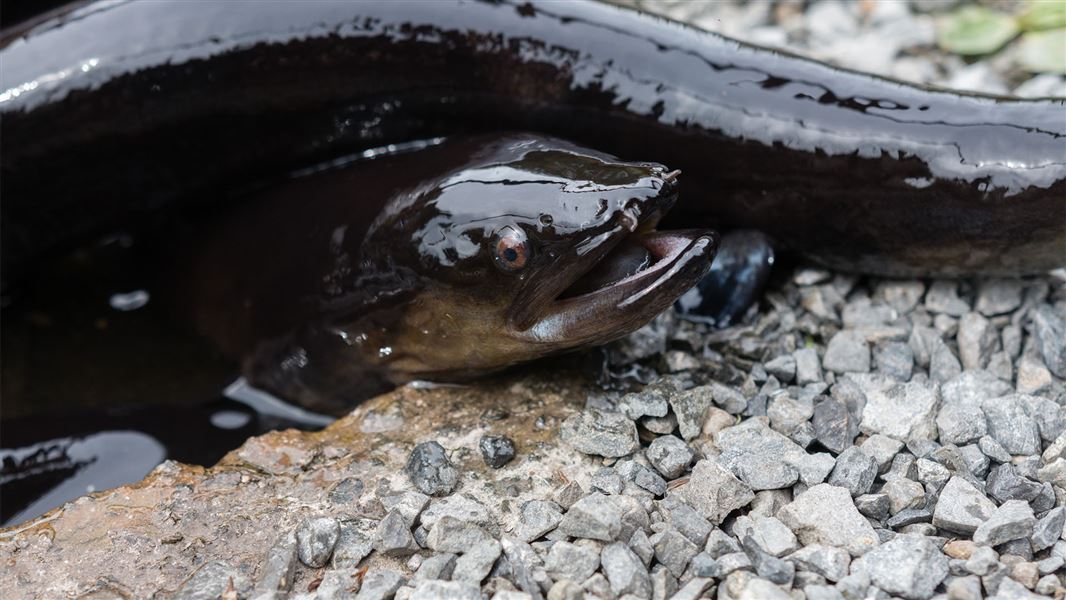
315,540
1011,521
847,352
600,433
908,565
825,514
496,450
430,470
961,508
669,455
714,491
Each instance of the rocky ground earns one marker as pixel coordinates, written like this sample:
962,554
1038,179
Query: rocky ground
854,438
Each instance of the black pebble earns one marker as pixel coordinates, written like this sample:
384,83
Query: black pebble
497,450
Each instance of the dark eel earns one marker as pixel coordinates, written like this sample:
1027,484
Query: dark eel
114,111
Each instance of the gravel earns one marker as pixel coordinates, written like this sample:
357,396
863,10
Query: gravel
430,470
908,565
496,450
600,433
315,540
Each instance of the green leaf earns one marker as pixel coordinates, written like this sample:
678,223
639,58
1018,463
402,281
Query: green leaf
975,30
1043,51
1043,14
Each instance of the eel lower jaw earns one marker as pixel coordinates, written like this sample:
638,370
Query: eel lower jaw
680,260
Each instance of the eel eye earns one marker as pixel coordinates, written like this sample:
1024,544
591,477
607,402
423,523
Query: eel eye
512,250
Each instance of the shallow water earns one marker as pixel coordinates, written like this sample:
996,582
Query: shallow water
102,380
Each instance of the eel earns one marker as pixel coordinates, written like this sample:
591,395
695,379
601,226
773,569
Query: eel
116,112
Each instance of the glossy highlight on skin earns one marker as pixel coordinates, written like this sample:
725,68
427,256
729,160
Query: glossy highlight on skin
853,171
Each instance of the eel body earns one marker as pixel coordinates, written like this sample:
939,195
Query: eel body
115,109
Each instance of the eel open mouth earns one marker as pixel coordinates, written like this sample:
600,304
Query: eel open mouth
632,282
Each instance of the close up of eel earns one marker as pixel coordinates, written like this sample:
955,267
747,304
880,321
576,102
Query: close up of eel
478,238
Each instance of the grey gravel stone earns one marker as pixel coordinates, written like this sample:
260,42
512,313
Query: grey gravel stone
786,414
768,566
733,561
827,561
977,340
894,359
783,368
669,455
1010,425
993,449
961,507
600,433
640,544
847,352
673,550
703,565
210,582
394,536
650,402
476,562
450,590
690,408
593,517
834,425
430,470
728,398
315,540
765,459
772,536
882,449
278,568
453,535
607,480
932,474
943,364
808,367
1049,329
1048,529
536,518
854,470
875,506
571,561
714,491
943,297
694,589
496,450
1004,483
1011,521
685,519
998,296
719,543
1033,377
982,561
438,566
908,565
903,493
903,411
825,514
380,584
625,571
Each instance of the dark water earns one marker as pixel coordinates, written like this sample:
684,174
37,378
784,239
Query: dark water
101,379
